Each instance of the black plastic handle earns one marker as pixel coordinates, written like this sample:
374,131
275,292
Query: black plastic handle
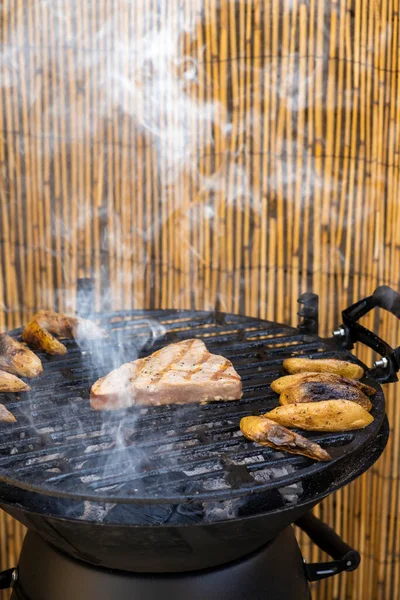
346,558
7,579
351,331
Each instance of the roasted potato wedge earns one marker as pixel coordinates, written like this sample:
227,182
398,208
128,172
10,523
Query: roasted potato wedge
17,358
283,383
268,433
5,415
315,391
323,365
43,326
327,415
36,336
11,383
66,327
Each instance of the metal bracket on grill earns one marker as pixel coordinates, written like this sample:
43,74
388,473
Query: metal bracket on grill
351,332
85,300
219,315
346,558
308,313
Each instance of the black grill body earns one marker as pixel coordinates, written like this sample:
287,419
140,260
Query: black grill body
275,571
174,548
187,491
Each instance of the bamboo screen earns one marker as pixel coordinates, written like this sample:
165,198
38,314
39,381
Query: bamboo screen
189,152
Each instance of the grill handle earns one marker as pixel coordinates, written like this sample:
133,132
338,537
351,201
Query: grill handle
7,578
350,332
345,557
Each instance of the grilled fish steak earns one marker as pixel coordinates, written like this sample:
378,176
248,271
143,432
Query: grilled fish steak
46,324
316,391
283,383
5,415
179,373
328,415
323,365
17,358
11,383
268,433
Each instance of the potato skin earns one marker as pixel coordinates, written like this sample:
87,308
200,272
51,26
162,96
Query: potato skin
317,391
66,327
45,324
11,383
327,415
268,433
323,365
283,383
16,358
5,415
39,338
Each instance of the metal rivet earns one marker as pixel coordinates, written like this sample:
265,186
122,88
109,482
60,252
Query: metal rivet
383,362
14,577
339,332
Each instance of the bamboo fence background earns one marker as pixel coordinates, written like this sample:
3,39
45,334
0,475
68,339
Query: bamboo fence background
185,152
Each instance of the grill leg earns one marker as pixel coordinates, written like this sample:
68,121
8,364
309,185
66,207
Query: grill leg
18,594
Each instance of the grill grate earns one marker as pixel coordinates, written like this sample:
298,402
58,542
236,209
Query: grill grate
169,454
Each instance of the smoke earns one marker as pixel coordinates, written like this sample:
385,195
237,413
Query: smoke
169,140
169,149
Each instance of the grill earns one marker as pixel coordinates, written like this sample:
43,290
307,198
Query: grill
177,490
179,455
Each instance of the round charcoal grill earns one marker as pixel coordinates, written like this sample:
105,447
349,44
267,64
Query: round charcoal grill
170,454
179,482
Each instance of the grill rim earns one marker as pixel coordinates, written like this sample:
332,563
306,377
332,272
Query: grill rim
316,499
222,495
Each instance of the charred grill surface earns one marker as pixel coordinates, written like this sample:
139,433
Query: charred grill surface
62,448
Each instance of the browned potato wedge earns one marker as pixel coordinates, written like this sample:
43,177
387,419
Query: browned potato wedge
280,385
5,415
328,415
267,433
315,391
323,365
17,358
68,327
39,338
11,383
43,326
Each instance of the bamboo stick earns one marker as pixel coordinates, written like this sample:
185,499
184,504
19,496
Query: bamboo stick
265,120
220,117
8,203
256,257
282,90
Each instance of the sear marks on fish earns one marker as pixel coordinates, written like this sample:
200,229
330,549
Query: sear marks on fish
180,373
11,383
268,433
46,324
17,358
315,391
